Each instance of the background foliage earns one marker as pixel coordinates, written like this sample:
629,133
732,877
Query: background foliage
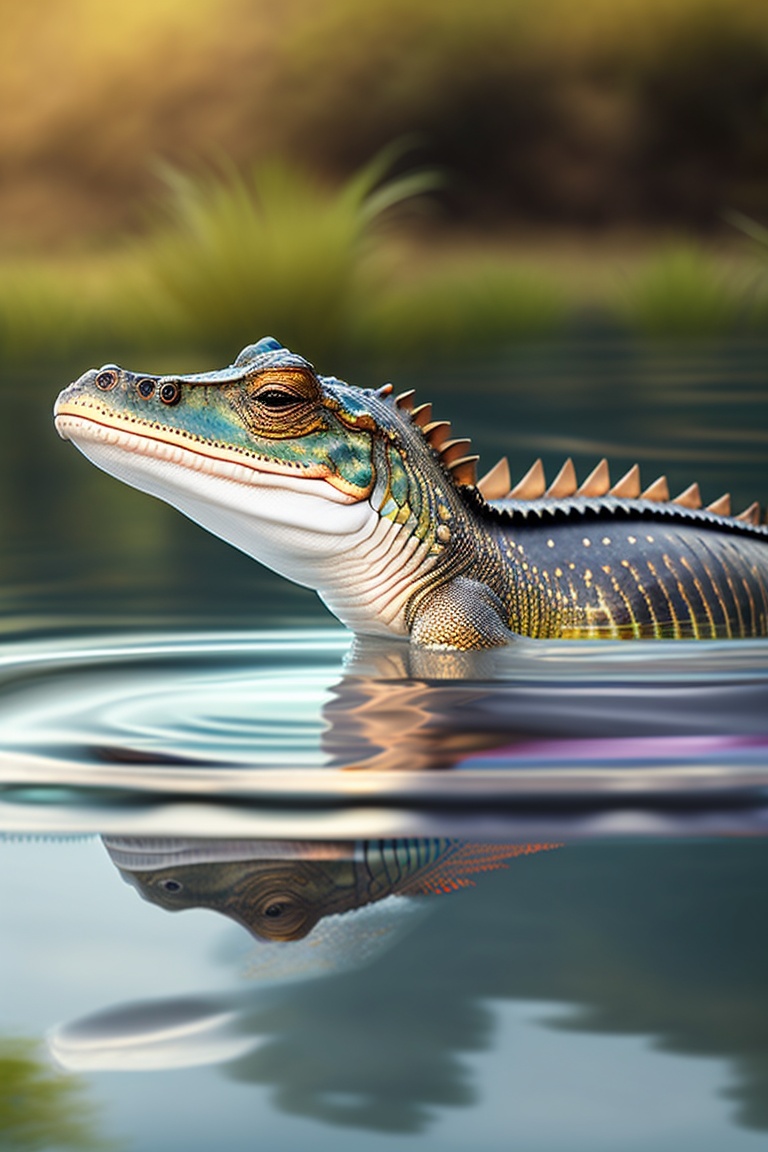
587,156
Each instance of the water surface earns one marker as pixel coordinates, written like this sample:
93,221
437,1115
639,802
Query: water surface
264,884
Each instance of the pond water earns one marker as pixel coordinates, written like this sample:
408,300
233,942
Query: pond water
427,901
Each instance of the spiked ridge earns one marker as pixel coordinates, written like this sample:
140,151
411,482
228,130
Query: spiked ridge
452,454
370,500
598,483
496,485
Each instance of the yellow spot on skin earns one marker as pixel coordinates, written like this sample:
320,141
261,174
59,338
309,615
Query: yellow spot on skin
525,567
443,533
625,563
649,539
588,574
520,548
443,512
571,565
632,539
586,541
606,568
550,543
558,572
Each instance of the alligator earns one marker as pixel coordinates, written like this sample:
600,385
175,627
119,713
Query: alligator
363,496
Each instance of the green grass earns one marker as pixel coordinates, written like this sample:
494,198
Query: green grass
233,256
43,315
683,292
268,251
466,303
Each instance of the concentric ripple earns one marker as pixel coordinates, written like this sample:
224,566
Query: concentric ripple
308,719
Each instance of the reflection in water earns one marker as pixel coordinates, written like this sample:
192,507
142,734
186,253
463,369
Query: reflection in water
280,718
280,890
364,893
646,940
657,940
403,708
40,1108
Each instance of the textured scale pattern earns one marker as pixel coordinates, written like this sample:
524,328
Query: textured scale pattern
609,560
639,579
370,499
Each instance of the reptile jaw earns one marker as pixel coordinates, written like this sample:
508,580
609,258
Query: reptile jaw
79,423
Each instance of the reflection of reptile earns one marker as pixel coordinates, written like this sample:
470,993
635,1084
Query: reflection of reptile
279,890
366,498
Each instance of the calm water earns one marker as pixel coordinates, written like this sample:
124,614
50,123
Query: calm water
514,900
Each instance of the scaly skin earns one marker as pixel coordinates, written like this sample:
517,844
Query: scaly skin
348,491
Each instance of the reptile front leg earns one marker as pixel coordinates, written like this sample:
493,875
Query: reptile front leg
462,614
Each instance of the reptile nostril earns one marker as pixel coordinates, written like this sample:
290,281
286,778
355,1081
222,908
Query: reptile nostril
106,379
170,393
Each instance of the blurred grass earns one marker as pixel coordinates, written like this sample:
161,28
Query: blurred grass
269,250
464,304
540,114
682,291
234,255
49,310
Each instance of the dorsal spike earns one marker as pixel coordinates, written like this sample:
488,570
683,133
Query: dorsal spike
437,432
496,483
453,449
385,390
422,415
721,507
658,491
598,482
532,486
751,515
690,498
628,488
464,471
405,399
565,483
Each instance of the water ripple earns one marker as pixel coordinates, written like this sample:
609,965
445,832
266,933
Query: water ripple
308,719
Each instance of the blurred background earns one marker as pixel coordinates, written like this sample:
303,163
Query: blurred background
361,176
563,205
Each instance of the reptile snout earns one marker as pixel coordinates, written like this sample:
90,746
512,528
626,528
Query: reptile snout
68,398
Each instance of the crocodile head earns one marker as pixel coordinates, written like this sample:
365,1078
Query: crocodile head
327,484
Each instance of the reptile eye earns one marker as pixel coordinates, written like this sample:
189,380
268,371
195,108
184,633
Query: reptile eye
274,910
170,885
170,393
106,379
277,398
146,388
